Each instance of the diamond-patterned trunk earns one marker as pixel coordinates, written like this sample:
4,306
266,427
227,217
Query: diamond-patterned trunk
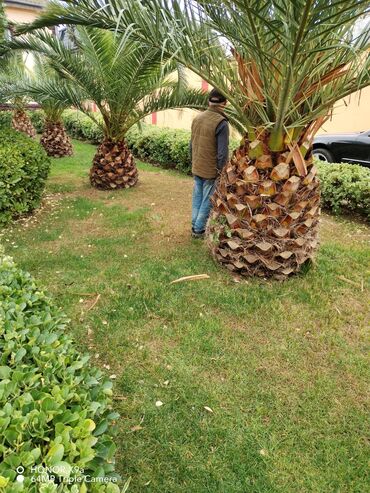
265,216
55,140
21,122
113,166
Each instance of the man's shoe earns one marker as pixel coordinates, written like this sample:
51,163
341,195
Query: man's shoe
197,236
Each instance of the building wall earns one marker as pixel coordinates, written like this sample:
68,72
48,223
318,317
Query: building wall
351,114
20,14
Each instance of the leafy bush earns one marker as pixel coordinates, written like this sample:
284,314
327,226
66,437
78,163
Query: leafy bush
168,148
55,410
80,126
164,146
345,187
24,168
38,120
5,119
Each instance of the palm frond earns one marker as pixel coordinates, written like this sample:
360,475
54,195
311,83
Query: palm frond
125,78
169,98
14,73
282,64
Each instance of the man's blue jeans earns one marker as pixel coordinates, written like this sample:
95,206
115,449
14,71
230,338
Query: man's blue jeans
202,193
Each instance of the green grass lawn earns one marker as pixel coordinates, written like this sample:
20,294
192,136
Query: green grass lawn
282,368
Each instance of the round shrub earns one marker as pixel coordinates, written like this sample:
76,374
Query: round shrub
24,168
345,187
56,419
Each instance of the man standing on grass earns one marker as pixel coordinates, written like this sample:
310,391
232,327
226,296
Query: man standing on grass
210,152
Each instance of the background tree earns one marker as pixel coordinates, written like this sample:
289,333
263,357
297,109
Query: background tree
3,25
15,69
282,65
125,79
54,139
12,67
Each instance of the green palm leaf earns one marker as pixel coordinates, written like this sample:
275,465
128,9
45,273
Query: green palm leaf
126,80
282,64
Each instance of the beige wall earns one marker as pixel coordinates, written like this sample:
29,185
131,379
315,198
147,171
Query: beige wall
23,14
18,14
178,118
350,115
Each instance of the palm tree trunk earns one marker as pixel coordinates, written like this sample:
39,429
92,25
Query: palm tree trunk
113,166
265,217
55,140
22,123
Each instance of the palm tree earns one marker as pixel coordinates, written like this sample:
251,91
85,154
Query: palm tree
3,27
54,139
15,69
126,80
282,65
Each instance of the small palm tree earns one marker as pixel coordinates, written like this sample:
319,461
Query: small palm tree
54,139
3,28
126,80
14,70
282,65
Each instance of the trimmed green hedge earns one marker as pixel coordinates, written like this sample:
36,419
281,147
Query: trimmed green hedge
162,146
55,410
24,168
38,120
345,187
81,127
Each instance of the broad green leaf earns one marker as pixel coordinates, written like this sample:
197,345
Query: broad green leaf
20,355
62,469
4,372
3,482
54,455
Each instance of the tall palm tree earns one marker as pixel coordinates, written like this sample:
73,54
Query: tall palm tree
125,79
282,65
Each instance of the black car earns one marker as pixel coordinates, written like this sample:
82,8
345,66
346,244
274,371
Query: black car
348,148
